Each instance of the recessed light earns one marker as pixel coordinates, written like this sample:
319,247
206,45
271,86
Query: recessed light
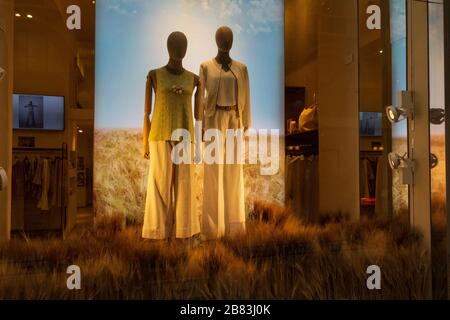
29,16
80,131
18,15
381,51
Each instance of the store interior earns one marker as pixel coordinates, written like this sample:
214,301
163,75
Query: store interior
54,73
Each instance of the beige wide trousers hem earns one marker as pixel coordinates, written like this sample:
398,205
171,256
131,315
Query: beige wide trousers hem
170,209
161,235
223,194
232,229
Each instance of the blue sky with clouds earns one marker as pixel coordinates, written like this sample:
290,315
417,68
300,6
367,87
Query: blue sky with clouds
131,40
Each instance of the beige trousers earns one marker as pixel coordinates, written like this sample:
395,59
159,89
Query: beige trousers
223,195
170,205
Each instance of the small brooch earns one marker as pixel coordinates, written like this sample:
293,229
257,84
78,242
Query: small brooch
177,89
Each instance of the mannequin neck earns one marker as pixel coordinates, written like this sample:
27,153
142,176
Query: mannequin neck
223,58
175,66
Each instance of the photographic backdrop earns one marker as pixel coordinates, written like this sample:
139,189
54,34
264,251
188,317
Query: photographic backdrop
131,40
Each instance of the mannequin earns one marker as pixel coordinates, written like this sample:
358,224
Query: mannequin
170,204
224,41
177,47
225,105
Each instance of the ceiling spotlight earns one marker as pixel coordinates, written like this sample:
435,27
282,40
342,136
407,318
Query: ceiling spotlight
404,165
18,15
395,161
405,109
29,16
80,131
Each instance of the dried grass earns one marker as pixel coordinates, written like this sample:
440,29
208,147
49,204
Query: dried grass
279,258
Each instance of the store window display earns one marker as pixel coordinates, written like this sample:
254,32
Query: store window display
225,105
170,202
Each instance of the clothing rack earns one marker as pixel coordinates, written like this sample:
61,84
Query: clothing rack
55,153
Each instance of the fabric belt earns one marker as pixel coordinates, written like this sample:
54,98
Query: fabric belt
227,108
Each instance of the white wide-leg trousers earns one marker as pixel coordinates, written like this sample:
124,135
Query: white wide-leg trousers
170,204
223,190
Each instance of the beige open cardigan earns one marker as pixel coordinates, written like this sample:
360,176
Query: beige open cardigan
209,88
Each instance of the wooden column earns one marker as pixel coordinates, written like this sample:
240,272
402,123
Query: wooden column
6,89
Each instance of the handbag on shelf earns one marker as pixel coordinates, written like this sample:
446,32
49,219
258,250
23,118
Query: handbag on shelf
309,119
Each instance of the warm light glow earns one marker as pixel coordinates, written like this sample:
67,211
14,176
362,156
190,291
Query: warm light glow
29,16
80,131
391,114
381,51
18,15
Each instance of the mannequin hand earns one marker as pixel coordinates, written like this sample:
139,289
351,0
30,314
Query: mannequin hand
147,154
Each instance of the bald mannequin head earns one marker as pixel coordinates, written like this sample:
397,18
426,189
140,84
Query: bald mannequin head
224,39
177,45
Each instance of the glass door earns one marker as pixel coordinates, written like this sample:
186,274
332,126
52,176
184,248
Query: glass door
383,65
437,147
397,89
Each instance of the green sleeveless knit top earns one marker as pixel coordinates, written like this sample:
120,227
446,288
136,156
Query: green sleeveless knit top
173,105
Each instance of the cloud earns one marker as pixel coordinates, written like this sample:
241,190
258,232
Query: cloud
237,28
230,8
253,16
122,7
266,11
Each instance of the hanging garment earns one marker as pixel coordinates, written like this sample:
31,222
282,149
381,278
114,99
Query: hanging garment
382,208
302,187
37,180
173,105
43,203
210,75
364,177
223,195
28,174
18,196
54,186
170,208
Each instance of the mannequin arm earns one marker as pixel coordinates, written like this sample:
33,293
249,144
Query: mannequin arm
200,96
246,113
147,113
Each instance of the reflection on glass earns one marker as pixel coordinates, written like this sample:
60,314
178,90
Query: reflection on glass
400,193
382,74
437,105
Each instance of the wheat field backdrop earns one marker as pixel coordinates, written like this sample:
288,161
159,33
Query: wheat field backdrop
120,177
